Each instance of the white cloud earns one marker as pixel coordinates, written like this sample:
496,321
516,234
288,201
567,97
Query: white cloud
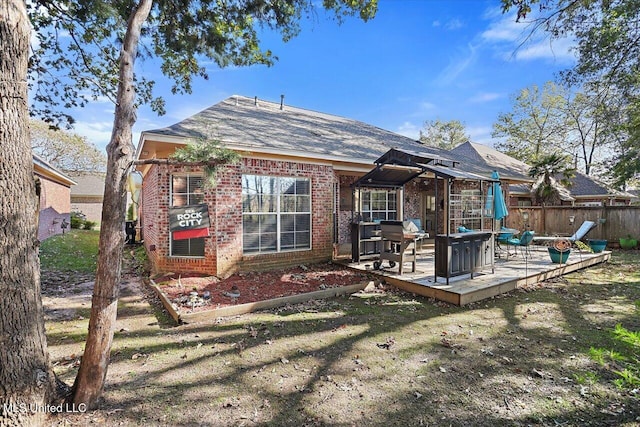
435,24
481,134
515,40
558,50
458,65
484,97
409,129
454,24
504,29
98,133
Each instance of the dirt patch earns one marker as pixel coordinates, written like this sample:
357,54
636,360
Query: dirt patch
200,293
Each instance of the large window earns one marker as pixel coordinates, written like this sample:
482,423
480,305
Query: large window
276,214
378,205
187,190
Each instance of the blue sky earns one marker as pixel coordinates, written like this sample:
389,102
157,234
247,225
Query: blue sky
417,60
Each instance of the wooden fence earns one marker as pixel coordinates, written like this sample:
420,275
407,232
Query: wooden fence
613,222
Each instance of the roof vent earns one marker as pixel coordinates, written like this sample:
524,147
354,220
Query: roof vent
282,102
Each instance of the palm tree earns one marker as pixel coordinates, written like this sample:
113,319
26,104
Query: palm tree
552,173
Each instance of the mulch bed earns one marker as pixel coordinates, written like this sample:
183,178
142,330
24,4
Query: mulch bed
249,287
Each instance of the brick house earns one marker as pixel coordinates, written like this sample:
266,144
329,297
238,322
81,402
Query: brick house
88,193
55,199
288,201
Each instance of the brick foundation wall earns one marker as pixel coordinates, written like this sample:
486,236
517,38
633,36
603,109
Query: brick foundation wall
223,249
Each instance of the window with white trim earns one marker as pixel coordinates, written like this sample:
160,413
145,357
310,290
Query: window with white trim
379,205
276,214
187,190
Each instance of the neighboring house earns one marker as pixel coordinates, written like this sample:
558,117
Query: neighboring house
87,194
55,199
584,191
478,157
290,200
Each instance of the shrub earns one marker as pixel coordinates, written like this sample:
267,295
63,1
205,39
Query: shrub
88,225
77,220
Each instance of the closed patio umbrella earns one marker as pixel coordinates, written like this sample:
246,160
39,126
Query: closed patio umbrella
499,204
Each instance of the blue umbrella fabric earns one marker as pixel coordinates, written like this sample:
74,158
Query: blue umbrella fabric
499,204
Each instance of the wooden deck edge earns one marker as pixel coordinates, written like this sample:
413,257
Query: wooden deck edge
234,310
165,301
508,286
425,291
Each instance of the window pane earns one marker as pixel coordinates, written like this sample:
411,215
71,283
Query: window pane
197,246
287,241
180,247
268,203
251,224
179,200
250,203
268,223
249,185
303,204
195,184
188,247
287,203
302,186
303,240
179,184
287,223
303,222
196,199
268,185
268,242
288,185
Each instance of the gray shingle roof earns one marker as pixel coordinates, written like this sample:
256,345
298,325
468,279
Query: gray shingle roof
583,186
248,124
88,183
482,158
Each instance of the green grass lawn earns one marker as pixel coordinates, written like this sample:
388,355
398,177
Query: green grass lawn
75,251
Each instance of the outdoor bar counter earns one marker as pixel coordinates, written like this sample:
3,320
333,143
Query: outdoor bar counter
463,253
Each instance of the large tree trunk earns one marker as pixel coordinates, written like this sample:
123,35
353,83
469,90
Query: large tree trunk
26,379
93,368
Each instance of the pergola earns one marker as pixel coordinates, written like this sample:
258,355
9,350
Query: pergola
458,250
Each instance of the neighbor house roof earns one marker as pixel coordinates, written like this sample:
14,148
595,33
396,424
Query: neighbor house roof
583,187
480,158
44,169
255,125
88,183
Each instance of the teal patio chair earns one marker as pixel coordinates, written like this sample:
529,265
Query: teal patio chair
524,243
